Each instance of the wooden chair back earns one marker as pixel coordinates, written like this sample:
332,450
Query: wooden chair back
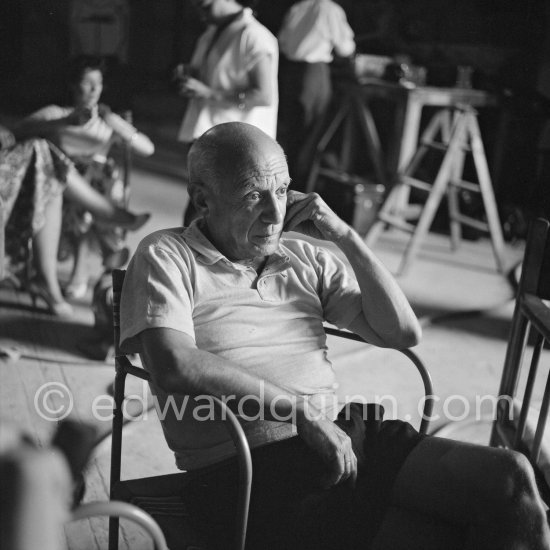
530,323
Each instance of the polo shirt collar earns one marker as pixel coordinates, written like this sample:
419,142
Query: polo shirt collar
208,254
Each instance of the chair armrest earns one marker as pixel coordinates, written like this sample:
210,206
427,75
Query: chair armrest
422,369
538,314
124,510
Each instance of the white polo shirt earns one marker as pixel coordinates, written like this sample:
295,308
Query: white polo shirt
274,328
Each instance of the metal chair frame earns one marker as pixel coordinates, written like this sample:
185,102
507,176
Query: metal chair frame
123,367
115,508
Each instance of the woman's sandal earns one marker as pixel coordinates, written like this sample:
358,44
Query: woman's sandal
76,290
59,309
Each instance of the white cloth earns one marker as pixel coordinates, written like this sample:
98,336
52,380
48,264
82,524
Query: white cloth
313,29
226,67
274,329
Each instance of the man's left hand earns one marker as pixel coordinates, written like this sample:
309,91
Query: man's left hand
191,87
309,214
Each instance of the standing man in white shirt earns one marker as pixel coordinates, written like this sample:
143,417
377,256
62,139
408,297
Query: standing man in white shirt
312,32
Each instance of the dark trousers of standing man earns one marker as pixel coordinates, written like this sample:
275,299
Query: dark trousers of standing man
305,91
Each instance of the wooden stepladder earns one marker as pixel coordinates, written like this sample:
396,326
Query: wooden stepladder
459,135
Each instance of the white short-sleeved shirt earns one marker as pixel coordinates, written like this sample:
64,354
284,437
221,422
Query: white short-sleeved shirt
313,29
226,67
274,329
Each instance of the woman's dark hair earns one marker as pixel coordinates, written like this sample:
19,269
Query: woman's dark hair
79,65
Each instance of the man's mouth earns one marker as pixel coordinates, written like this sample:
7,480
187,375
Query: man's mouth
269,236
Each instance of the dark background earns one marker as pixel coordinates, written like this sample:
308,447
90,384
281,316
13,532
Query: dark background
506,42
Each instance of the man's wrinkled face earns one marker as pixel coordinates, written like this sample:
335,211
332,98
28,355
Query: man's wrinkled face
246,214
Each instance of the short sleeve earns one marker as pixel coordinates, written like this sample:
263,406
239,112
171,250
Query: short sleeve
341,32
259,44
339,290
157,293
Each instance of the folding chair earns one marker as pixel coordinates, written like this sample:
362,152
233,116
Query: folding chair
149,492
518,425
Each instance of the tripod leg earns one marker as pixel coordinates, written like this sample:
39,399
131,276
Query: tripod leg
487,194
322,145
372,139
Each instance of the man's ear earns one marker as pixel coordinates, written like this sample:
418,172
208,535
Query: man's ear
198,195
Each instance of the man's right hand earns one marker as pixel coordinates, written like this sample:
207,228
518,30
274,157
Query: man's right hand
334,447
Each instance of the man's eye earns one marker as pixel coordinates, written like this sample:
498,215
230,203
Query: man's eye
253,197
282,191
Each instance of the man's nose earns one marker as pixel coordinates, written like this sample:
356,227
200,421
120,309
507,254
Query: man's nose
274,210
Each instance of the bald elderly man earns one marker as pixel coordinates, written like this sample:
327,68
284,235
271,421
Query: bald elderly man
229,307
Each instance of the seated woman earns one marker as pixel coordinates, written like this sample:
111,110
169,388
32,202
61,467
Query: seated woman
34,177
85,131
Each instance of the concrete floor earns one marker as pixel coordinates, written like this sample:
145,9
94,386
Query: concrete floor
465,307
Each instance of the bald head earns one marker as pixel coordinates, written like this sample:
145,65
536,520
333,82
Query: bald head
221,154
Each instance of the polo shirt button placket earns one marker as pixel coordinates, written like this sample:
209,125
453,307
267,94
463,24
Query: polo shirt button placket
262,288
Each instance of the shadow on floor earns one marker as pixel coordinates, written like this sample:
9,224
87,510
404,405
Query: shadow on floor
44,337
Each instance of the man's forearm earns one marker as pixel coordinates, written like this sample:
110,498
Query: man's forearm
385,307
190,371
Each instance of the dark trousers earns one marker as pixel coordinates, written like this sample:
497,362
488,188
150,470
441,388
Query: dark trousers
289,509
305,91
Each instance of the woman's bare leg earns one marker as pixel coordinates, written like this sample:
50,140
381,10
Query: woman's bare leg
45,244
79,191
79,275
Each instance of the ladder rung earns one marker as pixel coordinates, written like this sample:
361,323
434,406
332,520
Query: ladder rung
440,146
396,222
472,222
468,185
343,177
416,183
435,144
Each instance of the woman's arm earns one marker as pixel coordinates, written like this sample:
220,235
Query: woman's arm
46,122
7,139
138,141
32,128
